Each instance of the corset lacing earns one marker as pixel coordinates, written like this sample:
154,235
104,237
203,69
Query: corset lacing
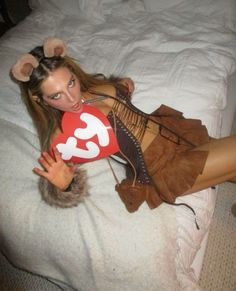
135,123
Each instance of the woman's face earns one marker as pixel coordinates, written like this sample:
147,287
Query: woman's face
61,90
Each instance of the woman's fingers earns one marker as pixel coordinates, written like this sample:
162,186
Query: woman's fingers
48,158
55,170
40,172
46,161
129,84
57,155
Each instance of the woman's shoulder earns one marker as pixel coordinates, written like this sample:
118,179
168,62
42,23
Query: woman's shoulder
104,89
118,91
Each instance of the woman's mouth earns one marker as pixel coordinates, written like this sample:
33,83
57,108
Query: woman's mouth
77,106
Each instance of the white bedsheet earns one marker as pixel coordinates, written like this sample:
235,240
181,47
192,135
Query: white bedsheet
181,57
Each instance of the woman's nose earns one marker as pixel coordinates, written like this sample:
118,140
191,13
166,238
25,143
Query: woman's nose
69,96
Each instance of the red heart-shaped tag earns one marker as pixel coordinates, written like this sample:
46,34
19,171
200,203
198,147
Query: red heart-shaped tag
86,136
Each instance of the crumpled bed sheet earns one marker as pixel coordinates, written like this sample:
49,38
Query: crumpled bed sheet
180,57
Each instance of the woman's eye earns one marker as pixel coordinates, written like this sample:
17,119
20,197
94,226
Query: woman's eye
55,96
71,83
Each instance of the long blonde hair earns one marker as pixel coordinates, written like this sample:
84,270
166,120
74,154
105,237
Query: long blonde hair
47,119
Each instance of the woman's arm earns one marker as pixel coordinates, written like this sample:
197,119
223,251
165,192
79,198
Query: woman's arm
125,82
126,85
110,89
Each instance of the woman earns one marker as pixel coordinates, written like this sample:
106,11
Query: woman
166,155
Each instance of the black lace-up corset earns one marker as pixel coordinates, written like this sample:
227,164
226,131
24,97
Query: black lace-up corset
129,133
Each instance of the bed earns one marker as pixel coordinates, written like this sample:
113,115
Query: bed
179,53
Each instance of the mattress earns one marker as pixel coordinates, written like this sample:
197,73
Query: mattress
181,56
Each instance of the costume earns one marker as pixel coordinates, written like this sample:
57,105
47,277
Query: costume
167,168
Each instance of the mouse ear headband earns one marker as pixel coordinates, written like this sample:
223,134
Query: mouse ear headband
23,68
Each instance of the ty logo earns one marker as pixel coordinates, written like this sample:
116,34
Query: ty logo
86,136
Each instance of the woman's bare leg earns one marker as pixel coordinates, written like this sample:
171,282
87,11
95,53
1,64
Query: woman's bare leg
220,165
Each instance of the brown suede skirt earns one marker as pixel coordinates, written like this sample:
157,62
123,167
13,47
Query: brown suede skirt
172,160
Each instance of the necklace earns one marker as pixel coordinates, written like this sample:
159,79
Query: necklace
94,99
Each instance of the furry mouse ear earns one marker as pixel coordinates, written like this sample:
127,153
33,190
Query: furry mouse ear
54,47
23,68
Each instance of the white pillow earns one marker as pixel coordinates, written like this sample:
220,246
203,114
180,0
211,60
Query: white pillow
157,5
91,8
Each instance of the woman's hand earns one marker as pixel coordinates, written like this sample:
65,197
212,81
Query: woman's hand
128,82
55,170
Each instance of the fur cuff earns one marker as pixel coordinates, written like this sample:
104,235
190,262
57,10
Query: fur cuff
55,197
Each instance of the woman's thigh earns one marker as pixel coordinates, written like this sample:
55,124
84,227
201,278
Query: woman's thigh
220,164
